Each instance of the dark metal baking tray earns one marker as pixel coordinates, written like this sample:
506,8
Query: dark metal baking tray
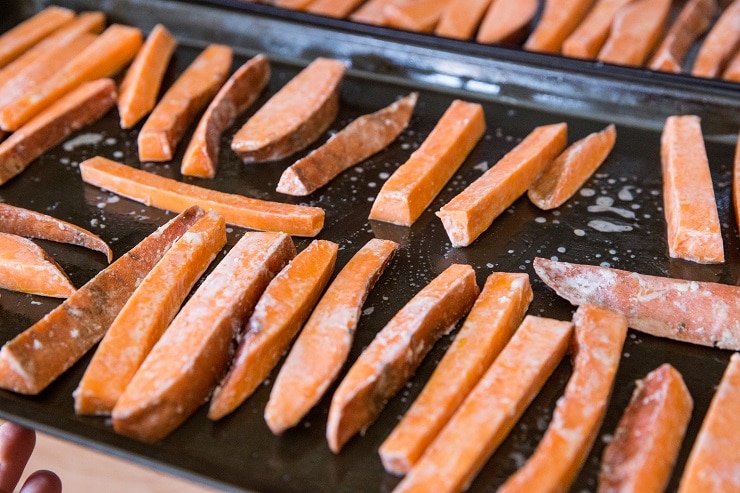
239,453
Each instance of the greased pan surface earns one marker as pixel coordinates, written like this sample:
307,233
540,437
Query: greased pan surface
616,219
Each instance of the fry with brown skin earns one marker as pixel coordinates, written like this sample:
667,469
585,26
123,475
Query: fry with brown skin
35,357
32,224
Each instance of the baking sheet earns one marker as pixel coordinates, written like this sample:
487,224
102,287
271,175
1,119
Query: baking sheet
239,452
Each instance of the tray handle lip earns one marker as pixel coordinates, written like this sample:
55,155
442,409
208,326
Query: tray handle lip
501,52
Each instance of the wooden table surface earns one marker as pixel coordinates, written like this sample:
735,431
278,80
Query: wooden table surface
82,469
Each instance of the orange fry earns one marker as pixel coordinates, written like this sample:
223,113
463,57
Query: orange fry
472,211
413,186
192,91
496,314
29,32
140,87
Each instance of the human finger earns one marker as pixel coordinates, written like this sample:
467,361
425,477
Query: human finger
16,446
42,482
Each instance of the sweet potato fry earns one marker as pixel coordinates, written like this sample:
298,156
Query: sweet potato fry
413,186
358,141
324,343
165,193
105,56
636,29
649,434
35,357
460,18
44,68
712,464
293,4
82,106
417,15
279,315
397,350
598,338
698,312
333,8
238,94
692,22
17,40
732,72
559,19
45,51
193,90
472,211
294,117
720,44
31,224
146,314
140,87
27,268
371,12
497,312
591,34
570,170
506,21
694,231
490,411
186,363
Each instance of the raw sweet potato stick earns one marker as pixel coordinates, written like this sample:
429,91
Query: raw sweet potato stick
720,44
86,22
413,186
44,68
333,8
559,19
487,415
32,224
703,313
34,358
27,268
397,350
140,86
359,140
279,315
473,210
460,18
293,4
146,315
598,337
82,106
591,34
713,462
233,99
505,21
295,116
190,93
497,312
416,15
636,29
570,170
105,56
694,231
165,193
325,341
17,40
372,11
732,72
693,21
648,437
186,363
